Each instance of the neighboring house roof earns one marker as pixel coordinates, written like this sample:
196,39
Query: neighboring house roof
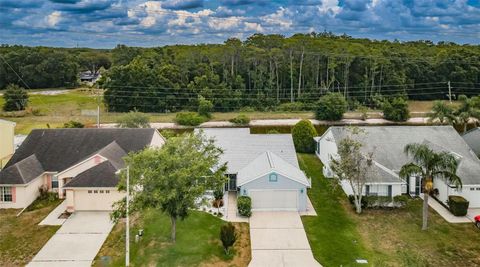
388,143
472,138
59,149
102,175
266,163
23,172
240,147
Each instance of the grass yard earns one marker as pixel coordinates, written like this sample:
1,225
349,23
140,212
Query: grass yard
384,237
21,237
198,242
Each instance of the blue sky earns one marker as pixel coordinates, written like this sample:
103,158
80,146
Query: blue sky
105,23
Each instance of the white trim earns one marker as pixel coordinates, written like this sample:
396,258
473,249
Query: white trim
270,171
80,163
161,136
89,188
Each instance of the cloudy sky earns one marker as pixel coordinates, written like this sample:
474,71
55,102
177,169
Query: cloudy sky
105,23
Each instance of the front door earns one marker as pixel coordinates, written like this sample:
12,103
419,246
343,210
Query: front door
232,183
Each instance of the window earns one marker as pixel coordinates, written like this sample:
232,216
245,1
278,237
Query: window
54,181
472,188
273,177
95,191
478,188
101,191
5,194
89,191
107,191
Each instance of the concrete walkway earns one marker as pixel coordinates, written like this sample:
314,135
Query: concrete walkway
445,213
232,215
52,217
279,239
77,242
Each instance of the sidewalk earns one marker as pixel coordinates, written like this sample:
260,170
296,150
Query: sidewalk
231,212
52,217
446,214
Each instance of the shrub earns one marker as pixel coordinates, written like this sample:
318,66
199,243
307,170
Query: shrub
189,119
73,124
205,107
134,119
273,131
244,205
302,134
291,107
458,205
396,109
400,200
228,236
351,199
218,194
331,107
241,119
16,98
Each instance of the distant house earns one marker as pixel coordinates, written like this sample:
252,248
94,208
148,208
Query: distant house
472,138
262,166
89,76
7,133
388,143
81,165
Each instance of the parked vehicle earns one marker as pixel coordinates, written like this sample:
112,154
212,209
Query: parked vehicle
477,221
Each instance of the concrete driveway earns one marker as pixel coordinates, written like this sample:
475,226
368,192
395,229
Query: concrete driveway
77,242
279,239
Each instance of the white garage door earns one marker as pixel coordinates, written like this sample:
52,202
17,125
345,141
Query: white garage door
274,199
101,200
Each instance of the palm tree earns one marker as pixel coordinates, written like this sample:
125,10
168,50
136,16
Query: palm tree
429,165
442,112
466,111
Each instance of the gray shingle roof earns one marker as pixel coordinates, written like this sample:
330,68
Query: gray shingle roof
266,163
58,149
472,138
240,147
388,143
102,175
23,172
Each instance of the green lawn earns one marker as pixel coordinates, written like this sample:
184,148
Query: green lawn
197,243
332,234
338,235
21,237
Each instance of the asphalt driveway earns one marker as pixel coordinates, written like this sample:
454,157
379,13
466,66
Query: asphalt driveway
279,239
77,242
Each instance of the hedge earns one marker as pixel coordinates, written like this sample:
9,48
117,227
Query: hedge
458,205
244,205
302,134
189,119
241,119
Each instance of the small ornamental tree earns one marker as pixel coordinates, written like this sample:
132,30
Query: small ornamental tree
171,178
228,236
205,107
303,133
16,98
396,109
331,107
134,119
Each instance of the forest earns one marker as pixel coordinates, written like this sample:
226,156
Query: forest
260,72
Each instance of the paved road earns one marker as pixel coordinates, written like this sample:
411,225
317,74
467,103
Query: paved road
77,242
279,239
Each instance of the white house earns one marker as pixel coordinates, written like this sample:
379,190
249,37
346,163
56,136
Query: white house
81,165
388,143
472,138
262,166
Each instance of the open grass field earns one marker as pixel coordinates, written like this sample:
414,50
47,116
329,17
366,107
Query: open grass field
338,235
197,244
21,237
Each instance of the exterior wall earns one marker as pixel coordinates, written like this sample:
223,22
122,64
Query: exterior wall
282,183
381,189
77,169
82,200
70,200
325,149
7,133
157,140
473,196
24,195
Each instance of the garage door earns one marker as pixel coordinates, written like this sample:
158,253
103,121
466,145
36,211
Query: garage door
96,200
274,199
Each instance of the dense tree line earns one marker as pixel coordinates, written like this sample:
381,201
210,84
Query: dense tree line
266,70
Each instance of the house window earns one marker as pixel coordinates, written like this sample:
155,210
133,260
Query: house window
472,189
101,191
273,177
95,191
89,191
54,181
5,194
478,188
107,191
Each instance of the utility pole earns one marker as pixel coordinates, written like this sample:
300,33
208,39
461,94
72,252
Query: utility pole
449,92
98,116
127,228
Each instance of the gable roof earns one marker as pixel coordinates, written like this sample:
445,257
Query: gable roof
266,163
23,172
388,143
59,149
240,147
472,138
102,175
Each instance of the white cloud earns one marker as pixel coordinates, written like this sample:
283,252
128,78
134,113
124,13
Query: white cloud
330,6
252,26
279,18
54,18
223,23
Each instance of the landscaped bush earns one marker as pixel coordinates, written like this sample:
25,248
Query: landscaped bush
244,205
16,98
134,119
241,119
291,107
395,109
205,107
458,205
331,107
228,236
400,200
189,119
379,202
302,134
351,199
73,124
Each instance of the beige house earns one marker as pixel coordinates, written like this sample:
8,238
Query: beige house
7,133
81,165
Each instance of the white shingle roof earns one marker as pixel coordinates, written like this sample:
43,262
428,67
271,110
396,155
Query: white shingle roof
267,163
240,147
